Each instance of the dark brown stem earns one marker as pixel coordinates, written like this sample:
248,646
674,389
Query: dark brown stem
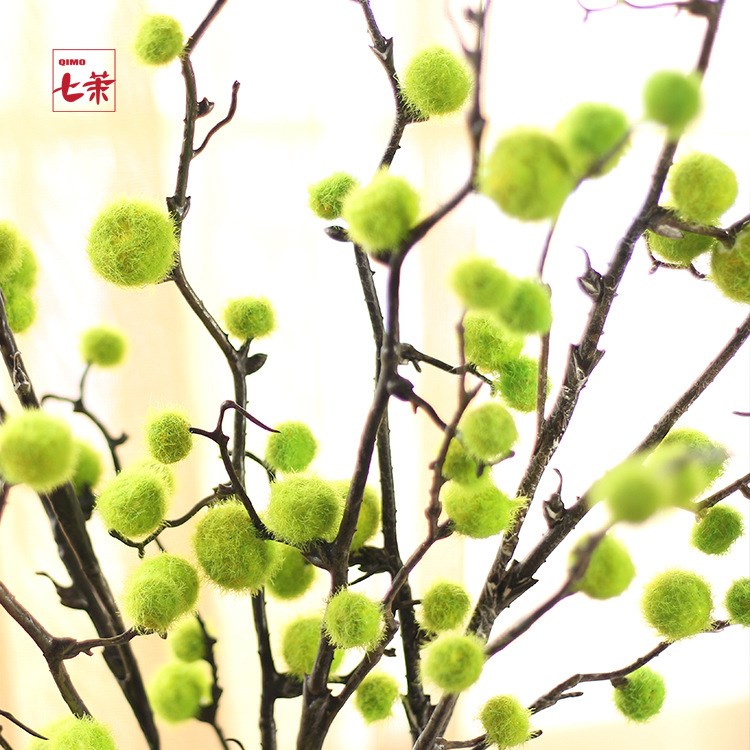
9,716
219,125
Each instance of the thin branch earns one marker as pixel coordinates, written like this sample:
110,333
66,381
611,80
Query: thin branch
9,716
723,494
219,125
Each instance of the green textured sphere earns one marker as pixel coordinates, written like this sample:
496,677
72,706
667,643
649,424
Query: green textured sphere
24,277
453,662
737,602
711,455
327,196
88,467
10,251
610,570
677,604
159,40
527,175
478,510
702,187
176,690
292,575
633,492
368,521
459,465
488,431
168,436
488,343
103,346
299,645
249,318
375,696
683,250
49,731
529,309
163,473
134,502
20,309
730,269
303,509
506,721
381,214
351,620
673,99
73,733
444,606
481,285
436,82
187,641
518,383
160,591
36,449
292,448
717,530
132,243
642,695
229,550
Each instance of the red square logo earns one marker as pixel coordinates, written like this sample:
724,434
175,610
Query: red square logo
84,80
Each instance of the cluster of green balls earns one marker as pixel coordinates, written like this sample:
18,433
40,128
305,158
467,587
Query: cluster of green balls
74,733
18,275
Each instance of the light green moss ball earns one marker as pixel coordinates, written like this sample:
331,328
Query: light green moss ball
176,691
73,733
453,662
518,383
132,243
168,436
506,721
88,466
677,604
10,250
351,620
730,269
436,82
480,284
36,449
104,346
249,318
488,431
292,575
375,696
300,643
292,448
24,277
478,510
163,473
712,456
717,530
702,187
327,196
673,99
49,731
21,310
610,570
368,521
159,40
737,602
160,591
642,695
488,343
683,250
459,465
444,606
632,491
187,641
529,310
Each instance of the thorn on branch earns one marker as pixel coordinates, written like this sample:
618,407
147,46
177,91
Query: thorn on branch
590,281
337,233
254,363
204,107
68,595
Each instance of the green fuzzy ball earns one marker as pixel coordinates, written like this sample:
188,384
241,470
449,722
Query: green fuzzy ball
673,99
730,269
488,431
488,344
481,285
351,620
49,731
737,602
134,503
133,243
292,448
299,646
73,733
187,641
381,214
641,696
168,436
506,721
436,82
453,662
10,251
610,570
327,196
477,510
518,383
176,691
527,175
103,346
589,133
444,606
683,250
24,277
375,696
21,310
702,187
249,318
677,604
229,550
88,466
159,591
459,465
293,575
368,521
304,509
717,530
159,40
162,472
36,449
529,309
633,492
699,447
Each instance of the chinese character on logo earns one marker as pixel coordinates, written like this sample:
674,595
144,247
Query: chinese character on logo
75,74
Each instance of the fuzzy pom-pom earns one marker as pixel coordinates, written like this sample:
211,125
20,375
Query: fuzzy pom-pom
641,695
176,691
10,250
159,40
488,431
351,620
632,491
436,82
610,569
527,175
737,602
36,449
103,346
292,575
730,269
304,508
381,214
717,530
673,99
480,284
299,645
518,383
88,466
591,132
159,591
478,510
49,731
327,196
506,721
682,250
134,502
162,472
488,343
249,318
444,606
132,243
677,604
187,641
292,448
702,187
21,310
459,465
453,662
711,455
375,696
24,277
368,521
229,550
168,436
73,733
529,309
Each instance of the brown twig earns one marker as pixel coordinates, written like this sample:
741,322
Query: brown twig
219,125
724,493
9,716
